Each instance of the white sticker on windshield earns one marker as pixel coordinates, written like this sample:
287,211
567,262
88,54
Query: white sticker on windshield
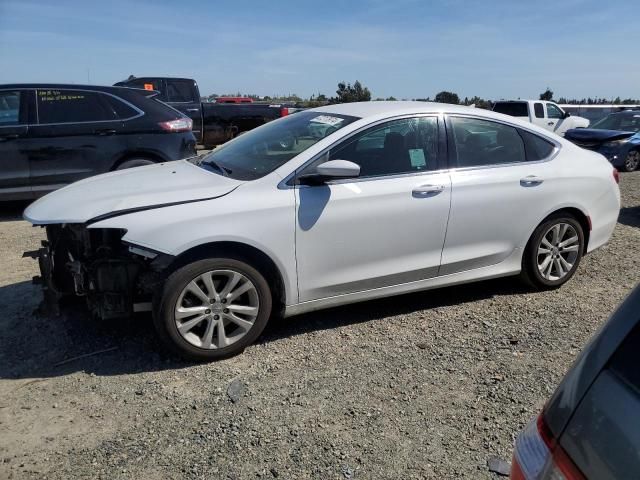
327,120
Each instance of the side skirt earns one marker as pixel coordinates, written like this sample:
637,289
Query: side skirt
510,266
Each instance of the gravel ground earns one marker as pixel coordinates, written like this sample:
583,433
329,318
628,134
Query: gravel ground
427,385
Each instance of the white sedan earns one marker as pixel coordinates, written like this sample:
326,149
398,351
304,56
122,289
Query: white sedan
321,208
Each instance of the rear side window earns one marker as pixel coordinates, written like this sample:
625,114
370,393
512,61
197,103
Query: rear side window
539,110
514,109
624,363
536,147
120,109
180,91
9,108
72,106
480,142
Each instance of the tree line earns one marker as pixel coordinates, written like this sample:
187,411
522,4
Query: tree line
357,92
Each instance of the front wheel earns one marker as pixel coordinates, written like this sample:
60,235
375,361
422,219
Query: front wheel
553,252
632,161
212,308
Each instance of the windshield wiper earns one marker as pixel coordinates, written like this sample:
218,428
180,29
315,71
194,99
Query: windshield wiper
210,162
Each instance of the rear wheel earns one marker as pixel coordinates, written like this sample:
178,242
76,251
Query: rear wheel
554,252
632,161
212,308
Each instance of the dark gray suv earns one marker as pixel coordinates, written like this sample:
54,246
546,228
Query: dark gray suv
590,428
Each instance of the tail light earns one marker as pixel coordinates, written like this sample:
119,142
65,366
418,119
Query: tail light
284,111
538,456
179,125
616,175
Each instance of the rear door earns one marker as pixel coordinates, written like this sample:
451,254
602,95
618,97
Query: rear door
76,136
15,108
502,184
538,116
183,95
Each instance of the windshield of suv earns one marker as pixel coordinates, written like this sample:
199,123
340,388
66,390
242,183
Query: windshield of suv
627,122
260,151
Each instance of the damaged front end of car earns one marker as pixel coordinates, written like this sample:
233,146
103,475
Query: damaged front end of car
115,278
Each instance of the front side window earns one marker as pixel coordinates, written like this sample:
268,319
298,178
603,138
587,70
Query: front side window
260,151
619,121
480,142
407,145
73,106
539,110
9,108
553,111
180,91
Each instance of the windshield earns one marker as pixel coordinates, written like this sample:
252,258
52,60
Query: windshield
260,151
627,122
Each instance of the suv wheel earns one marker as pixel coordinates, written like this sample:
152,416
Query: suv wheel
135,162
212,308
553,252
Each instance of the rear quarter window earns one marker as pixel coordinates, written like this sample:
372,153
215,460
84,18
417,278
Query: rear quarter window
536,148
514,109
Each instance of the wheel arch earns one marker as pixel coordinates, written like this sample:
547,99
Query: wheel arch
240,251
578,214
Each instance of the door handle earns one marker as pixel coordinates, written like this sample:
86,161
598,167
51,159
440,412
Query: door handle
107,131
551,123
11,136
427,190
193,109
531,181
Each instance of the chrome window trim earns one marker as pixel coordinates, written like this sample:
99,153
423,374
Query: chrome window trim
283,185
35,89
554,153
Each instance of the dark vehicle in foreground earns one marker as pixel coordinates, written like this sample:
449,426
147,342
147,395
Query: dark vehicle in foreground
590,429
616,136
213,123
52,135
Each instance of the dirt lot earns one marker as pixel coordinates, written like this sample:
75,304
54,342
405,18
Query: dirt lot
427,385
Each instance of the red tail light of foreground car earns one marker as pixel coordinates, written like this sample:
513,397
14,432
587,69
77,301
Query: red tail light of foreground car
538,456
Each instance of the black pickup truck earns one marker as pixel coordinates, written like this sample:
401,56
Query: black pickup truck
213,123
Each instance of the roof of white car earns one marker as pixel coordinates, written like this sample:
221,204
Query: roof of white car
374,109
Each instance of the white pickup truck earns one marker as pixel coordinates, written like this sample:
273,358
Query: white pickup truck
544,114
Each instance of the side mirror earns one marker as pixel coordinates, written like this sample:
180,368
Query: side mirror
566,115
331,170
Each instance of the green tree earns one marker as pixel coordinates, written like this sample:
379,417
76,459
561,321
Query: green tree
447,97
348,93
547,95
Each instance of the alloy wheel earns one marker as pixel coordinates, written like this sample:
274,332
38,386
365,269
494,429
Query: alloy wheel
558,251
216,309
632,161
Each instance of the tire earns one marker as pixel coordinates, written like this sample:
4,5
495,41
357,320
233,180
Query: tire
135,162
545,271
178,309
631,161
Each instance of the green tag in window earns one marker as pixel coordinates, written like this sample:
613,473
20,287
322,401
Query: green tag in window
417,158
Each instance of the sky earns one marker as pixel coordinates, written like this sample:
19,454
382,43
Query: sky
404,48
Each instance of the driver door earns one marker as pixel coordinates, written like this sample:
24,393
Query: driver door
386,227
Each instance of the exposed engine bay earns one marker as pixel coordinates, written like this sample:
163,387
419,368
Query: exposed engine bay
115,278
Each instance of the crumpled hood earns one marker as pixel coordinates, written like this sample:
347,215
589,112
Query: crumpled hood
129,190
595,135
